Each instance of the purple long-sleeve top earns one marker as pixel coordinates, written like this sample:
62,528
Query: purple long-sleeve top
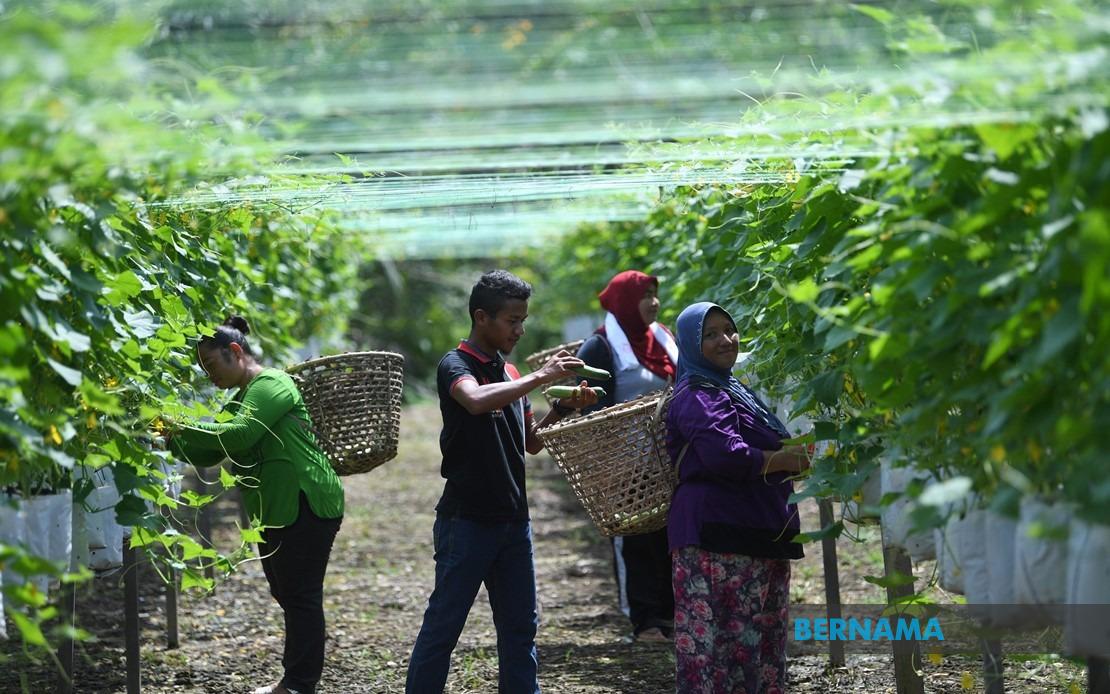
723,502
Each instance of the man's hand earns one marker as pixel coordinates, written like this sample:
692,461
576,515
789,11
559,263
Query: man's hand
584,397
559,366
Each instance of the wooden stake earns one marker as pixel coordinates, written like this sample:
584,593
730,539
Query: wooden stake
907,654
832,581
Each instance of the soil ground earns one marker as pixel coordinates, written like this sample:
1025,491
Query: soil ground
379,581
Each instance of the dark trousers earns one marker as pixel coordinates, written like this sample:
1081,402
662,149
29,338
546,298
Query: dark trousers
295,559
468,554
642,565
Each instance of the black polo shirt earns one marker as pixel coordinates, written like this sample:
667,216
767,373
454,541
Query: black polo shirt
483,455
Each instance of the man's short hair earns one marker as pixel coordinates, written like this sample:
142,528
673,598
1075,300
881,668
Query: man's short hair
494,289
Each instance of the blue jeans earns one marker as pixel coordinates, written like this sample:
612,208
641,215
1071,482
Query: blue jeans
467,554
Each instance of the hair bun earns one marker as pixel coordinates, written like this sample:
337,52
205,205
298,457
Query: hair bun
239,323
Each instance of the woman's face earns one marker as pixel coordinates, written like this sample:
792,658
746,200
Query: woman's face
649,305
719,342
223,366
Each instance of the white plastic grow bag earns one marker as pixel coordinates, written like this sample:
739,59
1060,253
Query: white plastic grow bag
897,528
49,528
103,535
968,534
12,532
999,532
949,570
1087,630
1040,563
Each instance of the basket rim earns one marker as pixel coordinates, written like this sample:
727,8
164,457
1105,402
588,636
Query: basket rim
320,361
551,350
621,409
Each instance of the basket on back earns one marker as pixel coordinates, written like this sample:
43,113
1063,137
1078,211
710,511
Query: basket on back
536,361
617,464
354,400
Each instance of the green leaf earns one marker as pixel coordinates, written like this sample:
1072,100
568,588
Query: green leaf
804,292
130,510
51,257
122,287
894,580
1060,332
96,398
833,530
70,376
191,578
226,478
827,387
884,17
29,631
142,323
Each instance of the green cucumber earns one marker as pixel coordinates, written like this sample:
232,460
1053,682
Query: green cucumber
591,372
568,392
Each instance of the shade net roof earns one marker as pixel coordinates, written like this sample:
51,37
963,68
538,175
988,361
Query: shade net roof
465,128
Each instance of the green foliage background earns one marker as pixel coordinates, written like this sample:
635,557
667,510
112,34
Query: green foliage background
104,289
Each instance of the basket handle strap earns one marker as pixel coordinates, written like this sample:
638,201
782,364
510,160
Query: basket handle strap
681,455
659,411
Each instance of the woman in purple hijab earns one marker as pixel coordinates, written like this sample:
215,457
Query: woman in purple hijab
731,527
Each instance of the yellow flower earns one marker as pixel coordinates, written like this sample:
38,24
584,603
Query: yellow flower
967,682
54,436
936,658
90,421
998,453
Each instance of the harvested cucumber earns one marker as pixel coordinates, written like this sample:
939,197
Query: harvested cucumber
570,391
591,372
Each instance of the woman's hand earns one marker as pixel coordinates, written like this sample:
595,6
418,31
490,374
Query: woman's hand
791,459
559,366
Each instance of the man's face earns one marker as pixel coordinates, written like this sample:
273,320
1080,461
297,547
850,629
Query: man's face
503,330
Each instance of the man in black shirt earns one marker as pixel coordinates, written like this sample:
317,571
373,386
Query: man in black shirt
482,532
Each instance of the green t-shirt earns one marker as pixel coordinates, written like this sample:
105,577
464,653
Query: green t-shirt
270,441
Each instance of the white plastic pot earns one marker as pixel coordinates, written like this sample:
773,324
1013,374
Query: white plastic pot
897,529
1087,630
1040,563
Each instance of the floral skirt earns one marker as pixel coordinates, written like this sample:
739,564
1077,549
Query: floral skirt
730,622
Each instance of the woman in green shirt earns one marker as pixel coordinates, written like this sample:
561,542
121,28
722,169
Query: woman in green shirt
286,482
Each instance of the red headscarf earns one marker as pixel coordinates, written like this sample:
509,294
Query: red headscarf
621,297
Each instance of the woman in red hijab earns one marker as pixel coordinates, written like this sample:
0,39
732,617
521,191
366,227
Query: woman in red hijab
641,355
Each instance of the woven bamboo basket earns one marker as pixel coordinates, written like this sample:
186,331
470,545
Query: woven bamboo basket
354,400
617,464
536,361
